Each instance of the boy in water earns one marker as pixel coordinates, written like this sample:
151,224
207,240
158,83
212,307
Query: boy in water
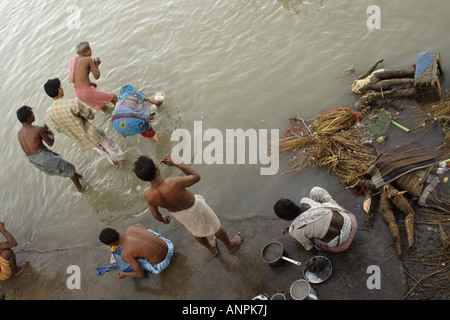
31,140
86,91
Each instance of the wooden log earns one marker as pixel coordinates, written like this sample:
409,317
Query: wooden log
383,80
373,97
395,74
371,69
386,84
388,215
399,201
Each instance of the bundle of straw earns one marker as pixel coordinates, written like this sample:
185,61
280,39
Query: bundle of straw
343,154
333,142
435,284
303,147
334,121
436,112
444,148
441,108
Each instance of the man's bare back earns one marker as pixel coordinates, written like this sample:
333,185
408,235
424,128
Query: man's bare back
173,194
138,242
170,195
83,66
31,137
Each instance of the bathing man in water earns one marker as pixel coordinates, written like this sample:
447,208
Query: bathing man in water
31,140
86,91
73,119
189,209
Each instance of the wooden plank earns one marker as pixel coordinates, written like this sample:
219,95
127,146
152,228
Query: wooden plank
425,68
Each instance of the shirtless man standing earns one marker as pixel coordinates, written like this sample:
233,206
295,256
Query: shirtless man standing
142,249
189,209
86,91
31,140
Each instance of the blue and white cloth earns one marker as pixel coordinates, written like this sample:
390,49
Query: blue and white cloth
146,265
132,112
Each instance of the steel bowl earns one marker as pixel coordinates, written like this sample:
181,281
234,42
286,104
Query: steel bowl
317,269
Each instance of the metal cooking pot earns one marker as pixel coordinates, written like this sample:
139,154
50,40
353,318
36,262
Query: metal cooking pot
272,254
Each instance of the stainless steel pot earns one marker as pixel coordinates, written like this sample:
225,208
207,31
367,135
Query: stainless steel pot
273,254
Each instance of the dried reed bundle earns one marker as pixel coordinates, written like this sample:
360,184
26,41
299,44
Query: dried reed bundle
436,112
411,182
441,112
296,142
438,198
301,146
334,121
430,110
435,284
343,154
441,108
444,148
329,145
300,162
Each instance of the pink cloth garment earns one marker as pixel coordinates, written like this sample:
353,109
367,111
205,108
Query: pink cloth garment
93,97
72,68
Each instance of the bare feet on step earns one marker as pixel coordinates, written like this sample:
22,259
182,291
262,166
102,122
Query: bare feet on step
236,242
213,247
22,268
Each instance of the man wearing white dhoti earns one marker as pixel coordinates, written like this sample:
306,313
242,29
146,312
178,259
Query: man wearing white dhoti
189,209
